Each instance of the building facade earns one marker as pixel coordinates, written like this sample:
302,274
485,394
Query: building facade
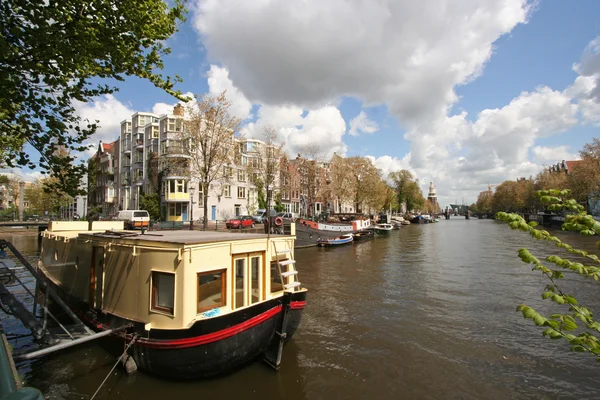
149,158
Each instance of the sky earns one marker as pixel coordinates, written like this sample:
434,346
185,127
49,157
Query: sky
465,94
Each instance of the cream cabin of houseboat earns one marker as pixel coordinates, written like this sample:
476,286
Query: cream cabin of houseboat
187,294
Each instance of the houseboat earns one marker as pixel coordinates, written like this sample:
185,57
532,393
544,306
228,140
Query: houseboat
197,303
308,232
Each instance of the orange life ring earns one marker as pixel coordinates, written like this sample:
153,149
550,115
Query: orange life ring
278,221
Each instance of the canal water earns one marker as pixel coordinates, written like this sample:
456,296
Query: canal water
427,312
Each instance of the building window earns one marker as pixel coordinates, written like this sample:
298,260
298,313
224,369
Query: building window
241,176
211,290
176,209
241,192
163,291
200,196
226,190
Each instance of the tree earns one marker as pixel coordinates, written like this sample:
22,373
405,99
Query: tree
151,203
584,179
208,141
53,54
407,190
263,165
309,169
563,325
551,180
341,183
508,197
365,183
484,201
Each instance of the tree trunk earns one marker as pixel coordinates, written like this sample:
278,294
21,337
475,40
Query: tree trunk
205,204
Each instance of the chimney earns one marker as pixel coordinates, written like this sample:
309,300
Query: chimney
178,110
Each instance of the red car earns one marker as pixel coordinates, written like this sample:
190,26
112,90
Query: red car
243,221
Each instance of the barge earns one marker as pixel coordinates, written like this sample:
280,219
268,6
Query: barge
195,304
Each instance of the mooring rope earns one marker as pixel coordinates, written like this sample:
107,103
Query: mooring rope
114,366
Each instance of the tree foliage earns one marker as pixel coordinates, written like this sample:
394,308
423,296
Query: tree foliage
55,53
573,315
263,165
151,203
208,141
407,190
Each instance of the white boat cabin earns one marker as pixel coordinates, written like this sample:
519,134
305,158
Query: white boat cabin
166,279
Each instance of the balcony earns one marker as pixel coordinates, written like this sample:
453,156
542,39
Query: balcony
108,170
139,144
138,180
174,151
125,181
176,197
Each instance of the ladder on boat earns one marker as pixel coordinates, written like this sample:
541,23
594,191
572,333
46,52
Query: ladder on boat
286,266
67,335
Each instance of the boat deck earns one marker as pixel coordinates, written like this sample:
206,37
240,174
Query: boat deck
179,237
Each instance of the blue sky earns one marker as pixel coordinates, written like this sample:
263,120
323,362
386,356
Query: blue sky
462,94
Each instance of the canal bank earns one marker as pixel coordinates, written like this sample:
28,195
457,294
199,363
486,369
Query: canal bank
427,312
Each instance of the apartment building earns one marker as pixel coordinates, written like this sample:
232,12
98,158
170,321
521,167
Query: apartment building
305,187
148,157
107,177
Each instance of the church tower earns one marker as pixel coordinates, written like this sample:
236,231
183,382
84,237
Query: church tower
432,198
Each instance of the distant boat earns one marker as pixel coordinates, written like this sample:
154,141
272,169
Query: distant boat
343,239
380,228
363,236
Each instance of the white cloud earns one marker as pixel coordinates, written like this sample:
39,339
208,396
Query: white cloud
362,124
109,112
389,164
218,81
164,108
298,128
590,66
409,55
552,155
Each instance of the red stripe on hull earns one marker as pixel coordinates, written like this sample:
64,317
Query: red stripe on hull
209,337
297,305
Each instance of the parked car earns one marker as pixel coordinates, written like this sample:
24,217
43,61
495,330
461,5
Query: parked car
243,221
134,218
261,214
286,215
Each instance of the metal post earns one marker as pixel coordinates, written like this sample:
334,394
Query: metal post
192,193
269,194
68,344
21,199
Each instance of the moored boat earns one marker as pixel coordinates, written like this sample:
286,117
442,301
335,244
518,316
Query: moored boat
382,228
197,303
363,236
343,239
307,232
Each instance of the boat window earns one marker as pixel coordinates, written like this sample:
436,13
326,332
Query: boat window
211,290
254,280
276,285
163,291
240,273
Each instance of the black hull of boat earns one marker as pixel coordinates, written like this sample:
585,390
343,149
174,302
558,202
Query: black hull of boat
209,347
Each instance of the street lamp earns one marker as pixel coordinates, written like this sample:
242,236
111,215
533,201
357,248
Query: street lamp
192,192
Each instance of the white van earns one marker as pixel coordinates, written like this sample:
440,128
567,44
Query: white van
134,218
